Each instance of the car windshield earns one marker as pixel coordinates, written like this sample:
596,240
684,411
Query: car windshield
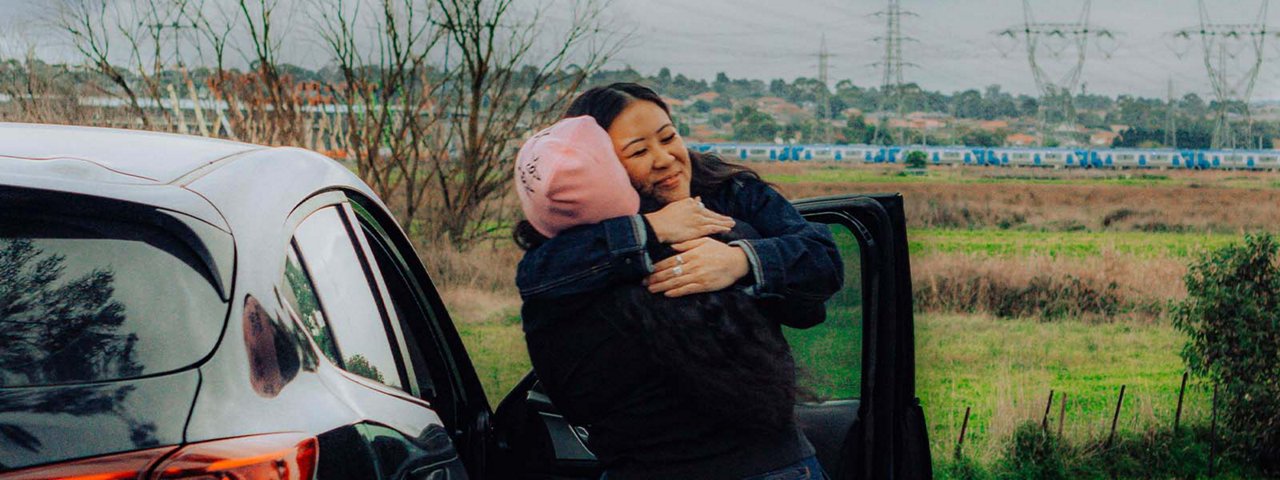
85,301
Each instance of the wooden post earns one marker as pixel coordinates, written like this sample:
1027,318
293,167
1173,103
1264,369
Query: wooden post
963,427
1115,418
1044,421
1177,417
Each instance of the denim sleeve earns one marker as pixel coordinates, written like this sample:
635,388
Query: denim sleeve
795,262
585,258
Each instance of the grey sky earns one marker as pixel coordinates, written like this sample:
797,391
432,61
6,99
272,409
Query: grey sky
955,47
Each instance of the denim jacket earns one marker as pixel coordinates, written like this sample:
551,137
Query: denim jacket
794,262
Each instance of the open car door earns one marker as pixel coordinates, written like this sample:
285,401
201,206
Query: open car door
856,370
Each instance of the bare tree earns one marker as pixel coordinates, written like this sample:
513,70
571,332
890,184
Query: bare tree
389,93
509,79
86,21
439,98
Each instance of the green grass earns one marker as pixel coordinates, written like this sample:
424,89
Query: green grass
1003,370
1017,243
498,352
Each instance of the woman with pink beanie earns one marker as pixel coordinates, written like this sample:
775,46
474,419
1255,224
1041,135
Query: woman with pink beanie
678,368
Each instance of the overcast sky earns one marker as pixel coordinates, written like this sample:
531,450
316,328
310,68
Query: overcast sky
954,46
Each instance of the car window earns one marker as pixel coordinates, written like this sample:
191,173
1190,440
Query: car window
300,297
87,300
347,297
829,355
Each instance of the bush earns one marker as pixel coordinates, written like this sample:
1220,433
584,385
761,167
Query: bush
1232,318
917,159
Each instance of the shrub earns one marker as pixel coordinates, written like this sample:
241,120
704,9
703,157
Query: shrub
1232,318
917,159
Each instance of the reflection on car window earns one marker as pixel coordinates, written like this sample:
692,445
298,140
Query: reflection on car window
86,301
347,297
301,298
829,355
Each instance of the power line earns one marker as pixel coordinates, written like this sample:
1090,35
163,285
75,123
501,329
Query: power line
1057,109
1222,44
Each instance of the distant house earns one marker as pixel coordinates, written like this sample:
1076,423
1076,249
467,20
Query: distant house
1103,139
1118,129
1020,140
781,110
705,96
673,102
993,125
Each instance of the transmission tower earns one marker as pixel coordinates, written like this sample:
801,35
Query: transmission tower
1057,109
1224,46
824,100
891,87
1171,120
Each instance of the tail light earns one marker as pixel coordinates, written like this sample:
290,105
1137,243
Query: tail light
111,467
277,456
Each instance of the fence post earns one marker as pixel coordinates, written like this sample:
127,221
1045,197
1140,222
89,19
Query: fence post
1115,418
1044,421
1177,417
963,428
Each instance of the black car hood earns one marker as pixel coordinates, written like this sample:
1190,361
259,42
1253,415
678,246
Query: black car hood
42,425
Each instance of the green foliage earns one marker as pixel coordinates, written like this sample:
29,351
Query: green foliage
360,365
1232,318
1034,453
917,159
753,125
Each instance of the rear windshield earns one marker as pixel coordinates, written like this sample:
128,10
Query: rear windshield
92,300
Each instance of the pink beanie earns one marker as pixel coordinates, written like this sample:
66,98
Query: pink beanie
568,175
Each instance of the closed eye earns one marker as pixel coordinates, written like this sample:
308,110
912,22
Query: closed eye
669,138
639,152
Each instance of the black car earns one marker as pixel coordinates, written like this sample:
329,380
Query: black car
179,307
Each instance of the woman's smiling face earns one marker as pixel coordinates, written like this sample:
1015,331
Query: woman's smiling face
652,152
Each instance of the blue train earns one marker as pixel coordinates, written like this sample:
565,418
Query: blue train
1005,156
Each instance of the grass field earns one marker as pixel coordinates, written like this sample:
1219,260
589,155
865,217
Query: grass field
1080,244
1001,369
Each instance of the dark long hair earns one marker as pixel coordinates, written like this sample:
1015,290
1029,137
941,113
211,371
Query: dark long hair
604,104
727,359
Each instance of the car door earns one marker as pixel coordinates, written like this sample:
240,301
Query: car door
856,369
862,415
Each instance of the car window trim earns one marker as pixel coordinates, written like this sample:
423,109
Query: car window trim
392,320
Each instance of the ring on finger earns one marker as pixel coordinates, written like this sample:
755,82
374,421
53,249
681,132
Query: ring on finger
679,260
679,270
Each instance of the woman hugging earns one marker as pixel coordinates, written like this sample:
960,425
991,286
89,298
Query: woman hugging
655,284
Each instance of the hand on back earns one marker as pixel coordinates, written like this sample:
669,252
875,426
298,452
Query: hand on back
684,220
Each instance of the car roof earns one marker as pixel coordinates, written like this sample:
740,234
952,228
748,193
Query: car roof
145,157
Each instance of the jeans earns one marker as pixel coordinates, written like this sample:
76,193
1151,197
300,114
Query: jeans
805,469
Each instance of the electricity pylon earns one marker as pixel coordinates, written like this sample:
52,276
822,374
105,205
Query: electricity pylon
1057,107
1225,47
